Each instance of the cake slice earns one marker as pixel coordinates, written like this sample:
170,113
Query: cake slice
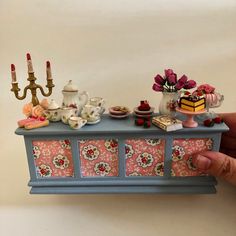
192,102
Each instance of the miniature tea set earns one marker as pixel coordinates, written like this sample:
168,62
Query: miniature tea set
78,108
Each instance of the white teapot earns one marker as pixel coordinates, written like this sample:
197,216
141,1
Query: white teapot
73,98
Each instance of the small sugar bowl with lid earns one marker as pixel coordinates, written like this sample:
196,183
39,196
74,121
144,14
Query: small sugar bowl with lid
53,113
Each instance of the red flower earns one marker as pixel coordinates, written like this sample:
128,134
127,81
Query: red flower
168,72
144,160
101,168
61,162
172,79
67,142
90,152
176,152
181,82
159,80
190,84
127,149
157,87
114,144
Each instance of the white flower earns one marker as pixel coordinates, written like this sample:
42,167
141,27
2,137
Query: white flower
36,152
129,151
172,172
190,163
111,145
44,171
65,144
90,152
153,142
159,169
177,153
60,162
102,168
135,174
145,159
209,144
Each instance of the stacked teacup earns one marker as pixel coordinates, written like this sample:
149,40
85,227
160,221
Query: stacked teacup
93,110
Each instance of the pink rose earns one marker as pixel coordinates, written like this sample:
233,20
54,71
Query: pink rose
27,109
206,88
44,103
37,111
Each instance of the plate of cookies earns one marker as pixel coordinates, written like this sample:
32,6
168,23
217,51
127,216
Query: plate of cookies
119,112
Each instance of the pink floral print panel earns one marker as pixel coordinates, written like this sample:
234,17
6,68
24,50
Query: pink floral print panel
182,152
144,157
99,157
53,158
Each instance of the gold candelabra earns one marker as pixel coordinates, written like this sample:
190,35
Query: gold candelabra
33,86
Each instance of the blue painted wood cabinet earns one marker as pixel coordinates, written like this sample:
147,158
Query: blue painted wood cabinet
115,156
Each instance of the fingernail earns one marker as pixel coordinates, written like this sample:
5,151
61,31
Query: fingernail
202,162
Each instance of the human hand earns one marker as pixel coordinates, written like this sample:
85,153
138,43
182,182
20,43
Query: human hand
221,164
228,140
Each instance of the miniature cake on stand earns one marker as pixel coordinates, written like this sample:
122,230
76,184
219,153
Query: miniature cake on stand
191,105
143,110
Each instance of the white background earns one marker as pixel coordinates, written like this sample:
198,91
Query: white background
112,49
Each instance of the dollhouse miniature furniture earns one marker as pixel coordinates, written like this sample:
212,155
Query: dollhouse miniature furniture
115,156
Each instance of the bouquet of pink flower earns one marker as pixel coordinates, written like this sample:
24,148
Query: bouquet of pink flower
205,89
170,83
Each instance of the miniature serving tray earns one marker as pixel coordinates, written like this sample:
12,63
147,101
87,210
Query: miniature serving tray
115,156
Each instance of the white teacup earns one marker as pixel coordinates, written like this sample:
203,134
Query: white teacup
66,113
76,122
91,113
97,102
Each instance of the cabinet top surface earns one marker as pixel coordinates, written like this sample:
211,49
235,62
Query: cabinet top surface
110,125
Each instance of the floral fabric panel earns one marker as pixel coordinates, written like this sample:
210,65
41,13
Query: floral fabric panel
182,152
144,157
53,158
99,157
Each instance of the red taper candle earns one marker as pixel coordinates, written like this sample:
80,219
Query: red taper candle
48,70
29,63
13,73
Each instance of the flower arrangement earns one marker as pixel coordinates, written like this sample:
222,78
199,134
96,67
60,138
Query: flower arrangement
170,83
35,111
205,89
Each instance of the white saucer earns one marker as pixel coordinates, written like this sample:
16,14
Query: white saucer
93,122
138,112
119,116
124,110
143,116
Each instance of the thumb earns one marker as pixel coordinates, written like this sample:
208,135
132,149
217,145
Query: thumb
217,164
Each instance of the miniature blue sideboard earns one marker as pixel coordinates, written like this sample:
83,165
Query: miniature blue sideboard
115,156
